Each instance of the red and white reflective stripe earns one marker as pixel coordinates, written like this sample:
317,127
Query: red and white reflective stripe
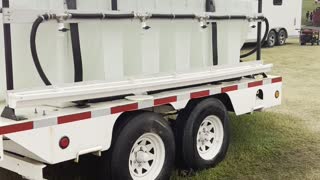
129,106
200,94
277,80
229,89
74,118
255,84
124,108
166,100
16,128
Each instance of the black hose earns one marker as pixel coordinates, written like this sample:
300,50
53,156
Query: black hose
263,40
76,47
102,16
86,16
33,46
44,17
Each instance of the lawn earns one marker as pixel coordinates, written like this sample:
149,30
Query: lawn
308,5
284,142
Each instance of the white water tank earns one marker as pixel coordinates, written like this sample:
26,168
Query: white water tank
118,50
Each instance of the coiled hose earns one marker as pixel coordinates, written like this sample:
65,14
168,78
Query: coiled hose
265,20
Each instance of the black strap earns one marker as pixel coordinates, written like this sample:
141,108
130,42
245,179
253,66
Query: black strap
114,5
215,43
76,48
8,50
210,7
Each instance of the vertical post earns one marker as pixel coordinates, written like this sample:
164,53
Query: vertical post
8,50
114,5
76,47
210,7
215,43
259,32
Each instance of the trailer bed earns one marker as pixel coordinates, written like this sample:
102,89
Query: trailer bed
42,116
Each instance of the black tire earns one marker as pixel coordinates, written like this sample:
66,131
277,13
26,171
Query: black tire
282,37
188,123
115,163
272,39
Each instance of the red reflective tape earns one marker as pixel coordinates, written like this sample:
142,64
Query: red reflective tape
229,88
200,94
255,84
74,117
163,101
276,80
16,128
129,107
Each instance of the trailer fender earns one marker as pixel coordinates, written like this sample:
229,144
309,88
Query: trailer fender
259,97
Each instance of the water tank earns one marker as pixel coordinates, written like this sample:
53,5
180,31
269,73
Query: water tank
118,50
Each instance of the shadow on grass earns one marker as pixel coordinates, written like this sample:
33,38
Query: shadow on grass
263,146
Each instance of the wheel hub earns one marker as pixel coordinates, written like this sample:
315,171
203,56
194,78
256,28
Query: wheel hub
204,136
142,156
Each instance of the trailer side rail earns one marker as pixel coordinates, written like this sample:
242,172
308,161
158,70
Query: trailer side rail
115,107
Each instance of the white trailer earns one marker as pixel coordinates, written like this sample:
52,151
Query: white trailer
135,65
284,18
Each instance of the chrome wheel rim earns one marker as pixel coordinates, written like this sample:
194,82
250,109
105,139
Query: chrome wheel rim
272,40
282,38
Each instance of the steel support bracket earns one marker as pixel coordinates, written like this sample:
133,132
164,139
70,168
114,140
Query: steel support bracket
9,113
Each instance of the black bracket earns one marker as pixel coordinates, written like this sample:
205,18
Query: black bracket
9,113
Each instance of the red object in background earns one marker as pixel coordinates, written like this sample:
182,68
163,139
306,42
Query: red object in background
309,36
316,17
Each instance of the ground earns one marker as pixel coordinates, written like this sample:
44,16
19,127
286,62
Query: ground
282,143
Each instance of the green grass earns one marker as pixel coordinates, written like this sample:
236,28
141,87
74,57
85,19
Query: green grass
266,146
283,143
308,5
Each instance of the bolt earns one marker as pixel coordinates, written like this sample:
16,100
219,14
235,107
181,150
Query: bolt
35,111
44,113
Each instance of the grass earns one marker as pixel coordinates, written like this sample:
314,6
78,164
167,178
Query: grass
266,146
308,5
282,143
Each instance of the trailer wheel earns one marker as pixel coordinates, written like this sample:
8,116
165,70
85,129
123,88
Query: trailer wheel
272,38
143,149
202,134
282,37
